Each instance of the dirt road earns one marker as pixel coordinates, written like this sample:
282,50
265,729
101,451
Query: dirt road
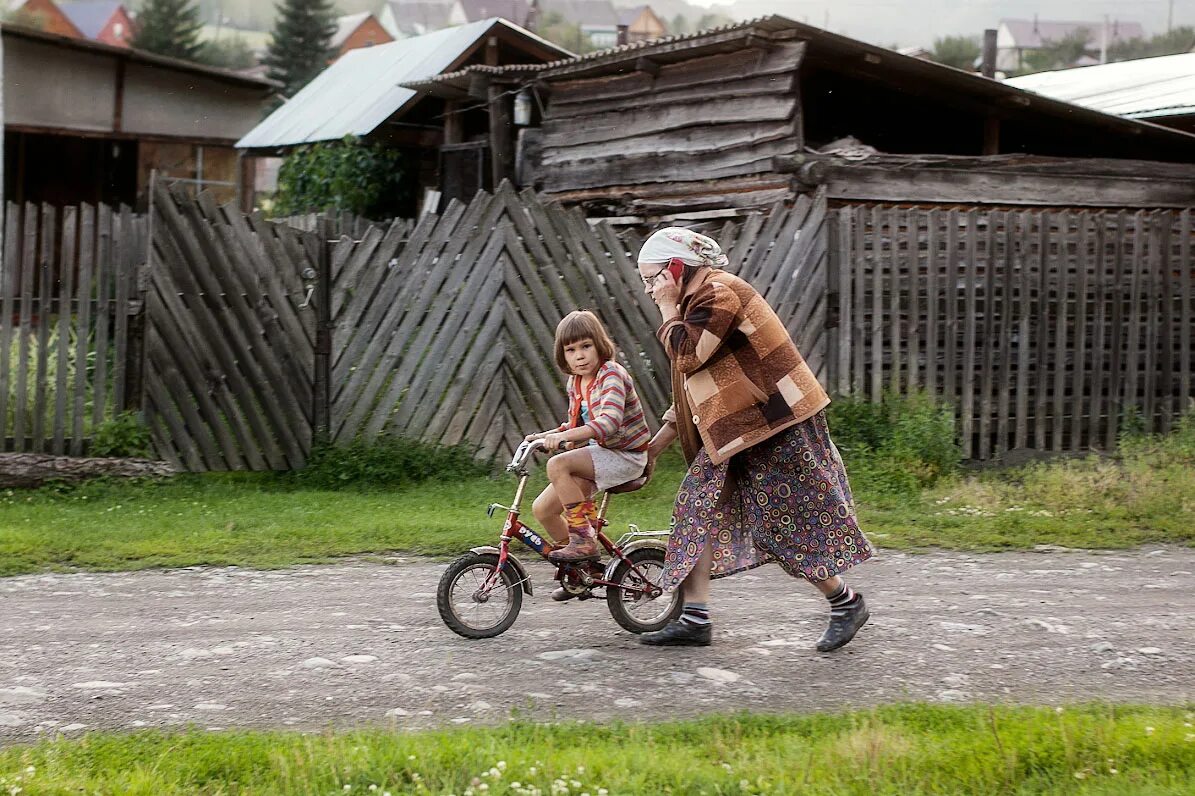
361,643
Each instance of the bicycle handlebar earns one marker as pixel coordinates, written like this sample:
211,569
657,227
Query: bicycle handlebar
523,453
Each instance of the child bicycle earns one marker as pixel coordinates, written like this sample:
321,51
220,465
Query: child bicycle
481,593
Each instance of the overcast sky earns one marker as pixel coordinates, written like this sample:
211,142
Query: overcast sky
918,22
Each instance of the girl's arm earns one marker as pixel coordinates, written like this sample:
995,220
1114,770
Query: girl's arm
690,340
608,411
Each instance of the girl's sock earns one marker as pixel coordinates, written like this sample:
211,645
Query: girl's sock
696,614
591,513
842,600
577,517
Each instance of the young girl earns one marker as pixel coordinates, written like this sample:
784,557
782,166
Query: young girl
603,411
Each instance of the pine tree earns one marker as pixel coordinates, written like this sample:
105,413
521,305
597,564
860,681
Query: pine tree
301,43
169,27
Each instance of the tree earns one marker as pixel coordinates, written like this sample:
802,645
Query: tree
301,44
558,30
364,178
1060,54
680,25
1179,40
957,51
708,21
232,52
169,27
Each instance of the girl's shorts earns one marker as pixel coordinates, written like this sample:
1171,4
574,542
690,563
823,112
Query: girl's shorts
614,467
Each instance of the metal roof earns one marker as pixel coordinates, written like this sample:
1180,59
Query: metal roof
1147,88
361,90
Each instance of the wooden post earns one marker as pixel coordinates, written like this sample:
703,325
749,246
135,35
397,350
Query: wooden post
321,389
991,136
502,151
988,68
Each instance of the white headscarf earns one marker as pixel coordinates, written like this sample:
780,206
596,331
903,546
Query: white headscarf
684,244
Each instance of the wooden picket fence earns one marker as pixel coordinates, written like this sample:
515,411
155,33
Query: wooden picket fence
1045,328
69,323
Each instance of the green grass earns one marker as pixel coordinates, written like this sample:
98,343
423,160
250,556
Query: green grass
905,749
262,520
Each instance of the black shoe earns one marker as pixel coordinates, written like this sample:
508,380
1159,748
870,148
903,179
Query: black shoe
561,594
679,633
844,626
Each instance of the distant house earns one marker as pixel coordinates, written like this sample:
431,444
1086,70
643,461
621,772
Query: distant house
515,11
597,18
403,19
359,30
448,139
102,20
1016,38
1159,90
43,15
89,122
641,24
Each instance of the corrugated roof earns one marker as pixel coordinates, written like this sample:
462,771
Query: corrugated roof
1142,89
361,90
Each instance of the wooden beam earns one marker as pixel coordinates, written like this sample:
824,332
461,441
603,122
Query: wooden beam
118,101
991,135
502,149
454,123
974,186
647,66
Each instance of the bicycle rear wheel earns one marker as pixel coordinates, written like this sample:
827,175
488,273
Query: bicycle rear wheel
469,613
633,611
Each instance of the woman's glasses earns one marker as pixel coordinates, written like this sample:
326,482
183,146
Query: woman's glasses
648,281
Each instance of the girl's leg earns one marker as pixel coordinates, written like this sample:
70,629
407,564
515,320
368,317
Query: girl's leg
548,509
570,474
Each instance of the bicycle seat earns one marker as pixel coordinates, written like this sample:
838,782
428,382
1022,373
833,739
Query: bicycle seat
629,486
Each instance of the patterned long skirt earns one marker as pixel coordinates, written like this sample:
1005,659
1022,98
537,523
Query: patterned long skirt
786,500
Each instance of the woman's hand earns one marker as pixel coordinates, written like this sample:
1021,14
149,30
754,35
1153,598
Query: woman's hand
666,293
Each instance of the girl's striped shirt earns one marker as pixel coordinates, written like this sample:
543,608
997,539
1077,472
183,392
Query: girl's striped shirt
615,412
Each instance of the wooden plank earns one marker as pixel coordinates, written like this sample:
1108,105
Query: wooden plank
912,271
83,324
1041,344
1186,277
1005,275
1100,403
987,379
123,274
776,269
845,263
878,263
1117,289
809,252
1061,340
1024,325
162,410
465,379
953,324
483,386
66,303
1137,282
932,328
859,355
9,273
1164,370
1083,416
104,276
49,240
25,328
194,433
967,382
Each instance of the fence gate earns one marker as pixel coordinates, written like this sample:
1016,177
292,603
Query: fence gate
230,343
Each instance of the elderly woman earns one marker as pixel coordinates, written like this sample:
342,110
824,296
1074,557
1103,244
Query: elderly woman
764,483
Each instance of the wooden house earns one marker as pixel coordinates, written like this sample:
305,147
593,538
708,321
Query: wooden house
105,21
640,24
42,15
358,30
88,122
742,116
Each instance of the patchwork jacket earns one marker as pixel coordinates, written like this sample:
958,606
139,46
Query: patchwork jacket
736,372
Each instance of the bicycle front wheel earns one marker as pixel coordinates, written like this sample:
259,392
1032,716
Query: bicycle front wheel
465,609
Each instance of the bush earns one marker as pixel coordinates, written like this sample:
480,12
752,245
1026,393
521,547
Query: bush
123,435
902,444
387,463
1177,447
364,178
